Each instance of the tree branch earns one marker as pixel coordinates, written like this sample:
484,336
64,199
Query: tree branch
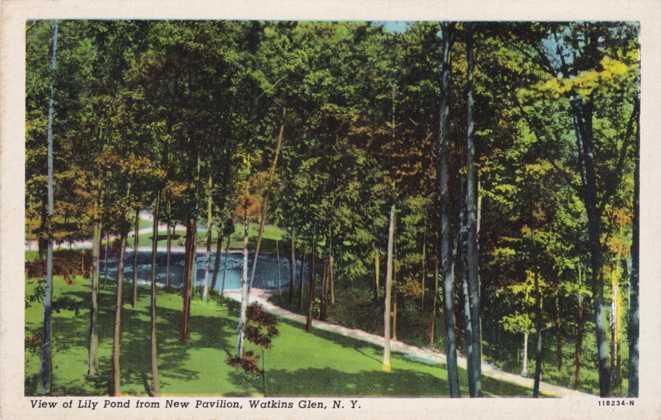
619,168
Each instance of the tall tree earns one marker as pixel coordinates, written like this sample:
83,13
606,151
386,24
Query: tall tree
46,351
471,215
447,266
387,310
634,308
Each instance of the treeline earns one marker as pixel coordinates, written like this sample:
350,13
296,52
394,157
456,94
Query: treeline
482,168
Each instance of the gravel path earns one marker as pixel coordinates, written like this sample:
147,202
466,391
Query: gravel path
428,355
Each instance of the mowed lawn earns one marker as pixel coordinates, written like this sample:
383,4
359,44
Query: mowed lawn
272,233
299,363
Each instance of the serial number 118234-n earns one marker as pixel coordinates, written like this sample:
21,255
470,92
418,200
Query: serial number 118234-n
616,403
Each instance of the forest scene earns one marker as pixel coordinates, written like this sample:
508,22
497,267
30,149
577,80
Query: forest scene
317,208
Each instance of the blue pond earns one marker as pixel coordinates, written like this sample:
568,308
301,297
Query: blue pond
270,274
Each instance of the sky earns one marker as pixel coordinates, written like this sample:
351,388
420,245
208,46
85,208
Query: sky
395,26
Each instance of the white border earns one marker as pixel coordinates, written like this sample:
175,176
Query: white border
13,13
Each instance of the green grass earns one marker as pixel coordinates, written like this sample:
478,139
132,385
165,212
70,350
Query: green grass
299,363
355,308
144,223
271,234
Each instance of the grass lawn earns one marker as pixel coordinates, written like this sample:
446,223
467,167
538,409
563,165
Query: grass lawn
299,364
271,234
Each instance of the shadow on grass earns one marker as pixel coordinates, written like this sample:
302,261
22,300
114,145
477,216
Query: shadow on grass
400,382
70,334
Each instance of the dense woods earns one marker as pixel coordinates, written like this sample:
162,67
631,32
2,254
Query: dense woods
468,187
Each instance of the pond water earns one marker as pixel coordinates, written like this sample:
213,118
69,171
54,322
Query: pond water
270,274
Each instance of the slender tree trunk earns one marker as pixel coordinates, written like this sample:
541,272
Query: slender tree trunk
538,328
46,346
471,203
583,124
331,279
434,306
311,286
277,258
207,255
388,292
468,325
524,358
92,359
117,330
634,308
136,240
447,266
395,299
243,314
191,228
580,327
615,329
155,384
263,212
260,234
377,265
106,252
217,260
424,267
558,332
168,254
292,266
469,348
300,284
227,250
324,287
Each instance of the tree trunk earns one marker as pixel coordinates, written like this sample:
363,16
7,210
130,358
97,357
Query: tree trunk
471,203
432,323
580,327
376,275
106,252
292,266
558,332
46,346
217,260
388,292
300,284
136,241
191,228
207,255
524,358
395,299
155,384
324,286
424,267
92,359
331,279
227,250
447,266
468,325
243,314
277,259
117,330
634,308
262,215
260,234
538,328
583,127
311,286
168,255
615,329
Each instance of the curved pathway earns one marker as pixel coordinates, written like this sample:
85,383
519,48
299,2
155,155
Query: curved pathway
261,296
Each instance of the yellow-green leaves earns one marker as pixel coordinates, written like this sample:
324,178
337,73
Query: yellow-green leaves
611,72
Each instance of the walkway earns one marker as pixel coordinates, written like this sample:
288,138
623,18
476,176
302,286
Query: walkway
261,296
